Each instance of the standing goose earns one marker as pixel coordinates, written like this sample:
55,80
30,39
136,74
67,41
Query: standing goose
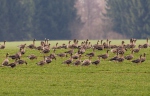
41,46
114,58
2,46
22,46
6,61
120,59
48,60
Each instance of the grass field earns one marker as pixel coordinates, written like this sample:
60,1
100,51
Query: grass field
56,79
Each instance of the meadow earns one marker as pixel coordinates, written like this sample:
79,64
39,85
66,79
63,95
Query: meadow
57,79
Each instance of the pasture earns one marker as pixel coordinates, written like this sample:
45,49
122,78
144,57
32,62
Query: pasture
57,79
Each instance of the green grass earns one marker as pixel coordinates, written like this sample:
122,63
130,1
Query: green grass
56,79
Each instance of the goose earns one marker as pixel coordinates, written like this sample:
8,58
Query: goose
62,55
81,50
137,60
136,50
41,46
114,58
129,57
76,56
120,59
46,49
41,63
22,50
48,60
22,46
92,54
78,62
32,46
53,55
2,46
69,61
12,65
6,61
69,51
100,47
16,56
55,47
86,62
104,56
143,58
32,56
21,62
146,45
96,62
96,45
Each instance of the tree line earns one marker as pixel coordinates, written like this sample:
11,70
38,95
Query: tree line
28,19
130,17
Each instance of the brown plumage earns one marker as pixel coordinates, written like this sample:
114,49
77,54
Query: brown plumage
32,46
137,60
86,62
21,62
42,62
143,58
6,61
136,50
16,56
129,57
104,56
12,65
2,46
22,46
92,54
96,62
69,61
32,56
146,45
78,62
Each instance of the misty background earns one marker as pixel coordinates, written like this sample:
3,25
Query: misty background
74,19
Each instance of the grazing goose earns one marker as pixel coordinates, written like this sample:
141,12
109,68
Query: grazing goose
32,46
129,57
32,56
22,50
104,56
2,46
6,61
76,56
137,60
86,62
41,62
143,58
21,62
96,62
